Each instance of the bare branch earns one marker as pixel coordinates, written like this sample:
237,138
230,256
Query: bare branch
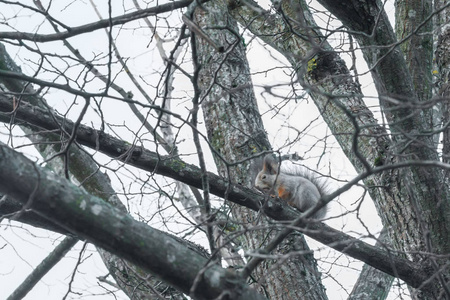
46,265
74,31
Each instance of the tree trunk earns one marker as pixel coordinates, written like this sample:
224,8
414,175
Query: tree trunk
236,133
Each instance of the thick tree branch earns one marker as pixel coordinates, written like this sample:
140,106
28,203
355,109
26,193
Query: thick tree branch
10,207
46,265
373,283
106,226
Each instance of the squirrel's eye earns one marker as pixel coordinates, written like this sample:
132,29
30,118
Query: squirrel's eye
263,177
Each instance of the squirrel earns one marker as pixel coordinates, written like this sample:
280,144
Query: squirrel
298,190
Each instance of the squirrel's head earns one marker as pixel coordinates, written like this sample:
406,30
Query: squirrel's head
265,179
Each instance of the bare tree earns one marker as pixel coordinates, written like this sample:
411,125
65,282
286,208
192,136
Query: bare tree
127,115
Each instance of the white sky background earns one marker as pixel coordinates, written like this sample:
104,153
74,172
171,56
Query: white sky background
23,247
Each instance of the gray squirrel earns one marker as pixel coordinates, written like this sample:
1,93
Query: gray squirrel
297,190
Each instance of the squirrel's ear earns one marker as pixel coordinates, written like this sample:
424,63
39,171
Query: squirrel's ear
270,165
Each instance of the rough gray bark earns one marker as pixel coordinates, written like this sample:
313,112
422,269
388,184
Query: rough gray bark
413,28
9,208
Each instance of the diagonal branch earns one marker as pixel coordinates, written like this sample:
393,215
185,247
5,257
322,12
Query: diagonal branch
74,31
106,226
371,281
9,208
46,265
